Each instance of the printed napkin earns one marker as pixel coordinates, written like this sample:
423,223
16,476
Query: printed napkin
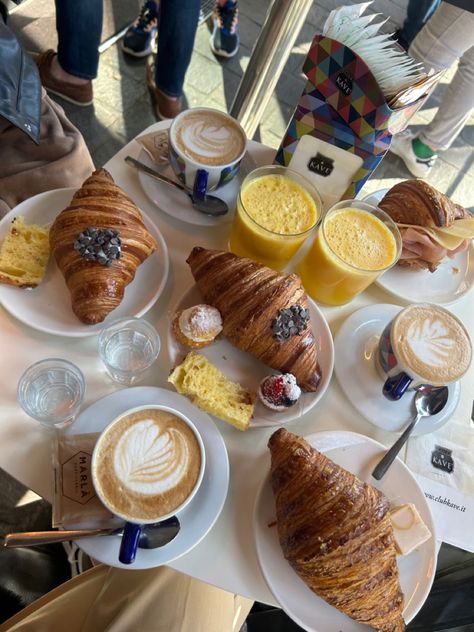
443,464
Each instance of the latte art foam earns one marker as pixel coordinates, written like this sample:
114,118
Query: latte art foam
150,460
209,138
431,342
146,465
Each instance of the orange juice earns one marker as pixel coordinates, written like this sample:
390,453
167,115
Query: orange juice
353,247
275,214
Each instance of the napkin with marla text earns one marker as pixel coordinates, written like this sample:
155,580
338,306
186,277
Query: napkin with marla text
443,463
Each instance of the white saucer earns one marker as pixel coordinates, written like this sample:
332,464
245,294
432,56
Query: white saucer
354,346
243,368
358,454
199,516
451,281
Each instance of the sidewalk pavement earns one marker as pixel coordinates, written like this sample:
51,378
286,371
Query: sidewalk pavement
122,108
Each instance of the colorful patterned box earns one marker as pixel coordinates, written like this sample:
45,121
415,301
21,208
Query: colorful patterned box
342,105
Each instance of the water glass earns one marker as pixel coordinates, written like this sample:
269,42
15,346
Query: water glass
51,391
128,347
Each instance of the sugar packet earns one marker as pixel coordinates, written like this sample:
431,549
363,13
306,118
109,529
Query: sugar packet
75,502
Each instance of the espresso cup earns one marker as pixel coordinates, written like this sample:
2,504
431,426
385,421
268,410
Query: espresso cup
147,465
424,344
206,147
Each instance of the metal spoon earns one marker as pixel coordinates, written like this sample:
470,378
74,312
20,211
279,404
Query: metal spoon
429,401
209,205
152,536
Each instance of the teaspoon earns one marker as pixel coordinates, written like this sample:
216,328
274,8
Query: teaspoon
428,401
209,205
152,535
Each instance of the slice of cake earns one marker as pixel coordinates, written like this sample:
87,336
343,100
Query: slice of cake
212,391
24,254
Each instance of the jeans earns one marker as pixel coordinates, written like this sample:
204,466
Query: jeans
177,27
447,37
418,13
79,26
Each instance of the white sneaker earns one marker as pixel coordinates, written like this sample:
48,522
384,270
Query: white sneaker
401,146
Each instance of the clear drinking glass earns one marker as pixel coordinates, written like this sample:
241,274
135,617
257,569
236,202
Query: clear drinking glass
51,391
128,347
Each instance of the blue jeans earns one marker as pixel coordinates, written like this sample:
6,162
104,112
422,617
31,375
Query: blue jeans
79,26
418,13
177,27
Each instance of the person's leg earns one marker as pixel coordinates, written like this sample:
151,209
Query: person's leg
448,36
79,27
225,38
418,13
178,24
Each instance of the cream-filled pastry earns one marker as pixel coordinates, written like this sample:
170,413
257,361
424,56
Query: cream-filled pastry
197,326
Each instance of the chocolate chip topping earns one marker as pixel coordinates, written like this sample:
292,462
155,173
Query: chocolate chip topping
291,321
99,245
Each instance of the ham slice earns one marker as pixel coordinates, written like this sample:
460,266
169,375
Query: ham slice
418,245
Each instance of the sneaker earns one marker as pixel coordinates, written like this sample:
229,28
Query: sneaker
165,107
77,94
140,38
402,146
225,35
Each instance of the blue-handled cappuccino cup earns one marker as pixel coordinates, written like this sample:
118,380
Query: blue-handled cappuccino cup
423,344
147,465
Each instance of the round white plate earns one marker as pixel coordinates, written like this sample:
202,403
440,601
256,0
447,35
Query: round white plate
241,367
452,279
199,516
48,306
177,204
355,346
358,454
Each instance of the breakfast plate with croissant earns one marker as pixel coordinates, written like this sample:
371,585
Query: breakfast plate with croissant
246,344
437,261
338,553
105,259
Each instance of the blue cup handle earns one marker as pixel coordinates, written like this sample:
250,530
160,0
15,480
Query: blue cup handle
129,544
395,386
200,184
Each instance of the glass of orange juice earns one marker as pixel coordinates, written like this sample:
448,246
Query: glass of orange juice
277,209
355,244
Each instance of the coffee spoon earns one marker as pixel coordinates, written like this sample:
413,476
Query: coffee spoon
152,535
429,401
209,205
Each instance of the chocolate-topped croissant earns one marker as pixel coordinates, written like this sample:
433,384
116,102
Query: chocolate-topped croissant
336,533
98,242
264,312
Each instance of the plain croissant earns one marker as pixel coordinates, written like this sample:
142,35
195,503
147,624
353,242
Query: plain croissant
250,298
96,289
336,533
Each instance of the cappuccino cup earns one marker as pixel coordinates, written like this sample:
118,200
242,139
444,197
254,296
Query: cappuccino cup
424,344
206,147
147,465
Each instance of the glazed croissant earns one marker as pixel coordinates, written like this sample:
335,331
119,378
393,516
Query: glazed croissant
263,312
97,285
417,202
336,533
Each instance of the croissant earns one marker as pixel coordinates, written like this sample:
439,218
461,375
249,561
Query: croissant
416,202
263,312
97,285
335,532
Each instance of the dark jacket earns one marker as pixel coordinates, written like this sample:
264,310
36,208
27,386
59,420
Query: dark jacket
20,85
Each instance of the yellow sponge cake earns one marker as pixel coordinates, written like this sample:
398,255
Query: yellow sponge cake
24,254
211,391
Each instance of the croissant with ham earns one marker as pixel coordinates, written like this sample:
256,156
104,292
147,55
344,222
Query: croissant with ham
420,210
336,533
263,312
98,242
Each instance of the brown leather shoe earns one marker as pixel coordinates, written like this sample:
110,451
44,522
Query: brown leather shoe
165,107
77,94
